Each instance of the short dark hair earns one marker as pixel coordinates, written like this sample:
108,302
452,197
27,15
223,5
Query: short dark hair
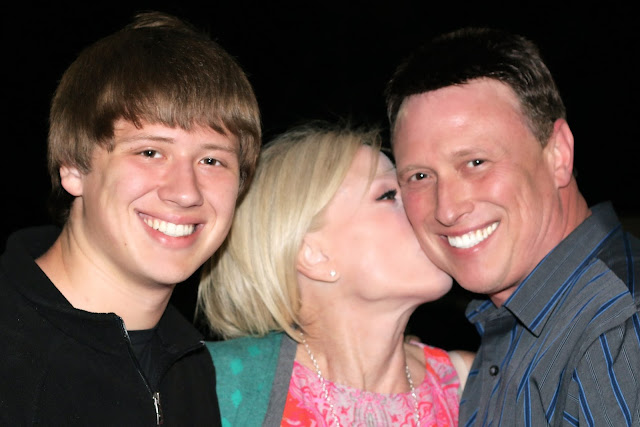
467,54
157,69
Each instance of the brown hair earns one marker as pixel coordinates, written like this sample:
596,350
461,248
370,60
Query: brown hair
467,54
158,69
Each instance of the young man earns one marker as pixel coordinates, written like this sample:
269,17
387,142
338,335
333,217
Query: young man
485,158
154,133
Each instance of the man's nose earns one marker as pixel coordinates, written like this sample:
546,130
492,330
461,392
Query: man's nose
181,185
452,200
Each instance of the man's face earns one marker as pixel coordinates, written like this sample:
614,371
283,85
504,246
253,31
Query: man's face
478,187
154,208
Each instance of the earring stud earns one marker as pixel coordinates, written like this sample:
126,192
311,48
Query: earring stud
332,273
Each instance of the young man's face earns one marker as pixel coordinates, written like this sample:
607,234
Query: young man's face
156,207
478,187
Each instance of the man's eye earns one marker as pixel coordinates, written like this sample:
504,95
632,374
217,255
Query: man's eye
211,161
475,162
418,176
149,153
388,195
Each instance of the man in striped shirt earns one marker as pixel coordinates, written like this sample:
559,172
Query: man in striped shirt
485,162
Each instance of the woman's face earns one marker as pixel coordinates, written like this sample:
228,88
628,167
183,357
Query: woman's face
368,237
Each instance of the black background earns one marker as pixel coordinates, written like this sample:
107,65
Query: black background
330,60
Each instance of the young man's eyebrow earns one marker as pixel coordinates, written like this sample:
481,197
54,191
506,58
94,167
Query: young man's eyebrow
142,137
231,147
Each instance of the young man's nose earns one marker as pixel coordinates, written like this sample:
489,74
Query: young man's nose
181,185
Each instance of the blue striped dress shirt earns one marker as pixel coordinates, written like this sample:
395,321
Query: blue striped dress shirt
564,349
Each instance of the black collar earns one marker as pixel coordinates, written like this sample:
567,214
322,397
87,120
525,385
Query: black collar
102,331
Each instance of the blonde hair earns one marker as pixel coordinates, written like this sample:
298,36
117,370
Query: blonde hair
250,286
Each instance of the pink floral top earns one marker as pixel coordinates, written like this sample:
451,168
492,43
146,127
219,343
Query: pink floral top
437,397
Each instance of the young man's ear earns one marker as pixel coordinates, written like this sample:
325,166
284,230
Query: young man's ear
561,150
313,263
71,180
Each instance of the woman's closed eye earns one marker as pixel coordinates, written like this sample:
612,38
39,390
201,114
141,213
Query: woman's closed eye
388,195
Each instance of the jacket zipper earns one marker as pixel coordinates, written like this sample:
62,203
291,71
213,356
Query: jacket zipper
156,403
154,395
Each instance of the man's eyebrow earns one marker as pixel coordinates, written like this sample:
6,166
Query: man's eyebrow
145,137
230,147
409,167
454,155
464,152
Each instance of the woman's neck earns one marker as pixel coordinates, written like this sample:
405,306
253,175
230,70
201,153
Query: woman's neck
361,350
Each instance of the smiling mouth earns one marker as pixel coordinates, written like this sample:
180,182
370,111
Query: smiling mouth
472,238
169,228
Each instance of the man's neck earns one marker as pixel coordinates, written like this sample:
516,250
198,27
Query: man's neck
91,288
572,211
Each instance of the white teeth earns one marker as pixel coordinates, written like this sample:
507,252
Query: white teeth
472,238
169,228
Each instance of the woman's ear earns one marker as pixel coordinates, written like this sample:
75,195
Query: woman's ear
71,180
313,263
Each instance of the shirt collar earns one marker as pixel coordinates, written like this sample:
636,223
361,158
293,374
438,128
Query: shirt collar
98,330
534,300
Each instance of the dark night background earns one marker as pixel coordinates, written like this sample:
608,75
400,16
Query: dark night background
330,60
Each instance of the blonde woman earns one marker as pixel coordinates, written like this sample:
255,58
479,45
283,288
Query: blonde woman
314,289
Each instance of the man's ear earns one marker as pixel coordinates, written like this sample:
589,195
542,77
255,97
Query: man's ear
561,150
313,263
71,180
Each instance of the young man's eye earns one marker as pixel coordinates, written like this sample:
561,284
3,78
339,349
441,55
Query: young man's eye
149,153
388,195
211,161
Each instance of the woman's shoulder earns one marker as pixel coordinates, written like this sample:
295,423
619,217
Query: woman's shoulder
426,352
245,371
445,365
245,346
462,359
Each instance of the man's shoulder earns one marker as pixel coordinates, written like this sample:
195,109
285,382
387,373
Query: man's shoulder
602,287
604,239
600,304
30,342
22,248
25,289
34,239
20,316
621,254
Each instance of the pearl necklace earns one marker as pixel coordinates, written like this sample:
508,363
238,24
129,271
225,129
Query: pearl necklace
327,397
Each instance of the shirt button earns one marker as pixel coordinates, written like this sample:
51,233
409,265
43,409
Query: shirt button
493,370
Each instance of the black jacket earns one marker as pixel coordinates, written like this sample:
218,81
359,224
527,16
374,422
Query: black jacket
61,366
